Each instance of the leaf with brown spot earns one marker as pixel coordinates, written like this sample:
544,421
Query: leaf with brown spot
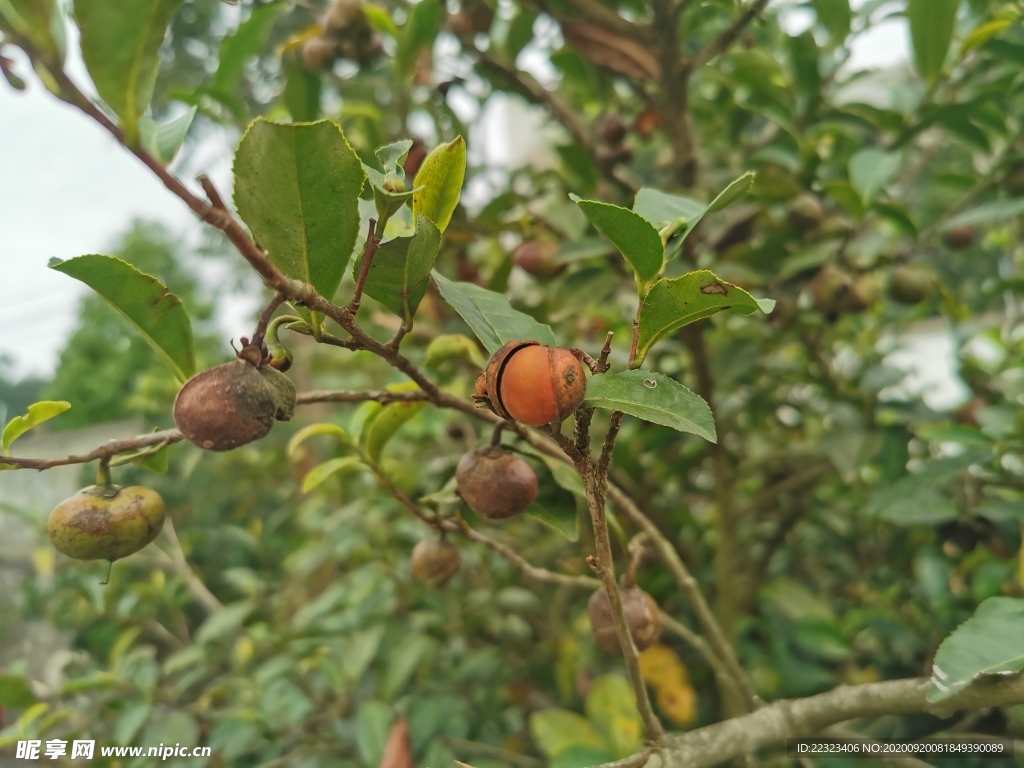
671,304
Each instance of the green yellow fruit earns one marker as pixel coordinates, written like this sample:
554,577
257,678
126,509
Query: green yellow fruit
106,522
435,561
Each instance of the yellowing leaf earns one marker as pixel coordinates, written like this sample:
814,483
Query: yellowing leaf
678,702
440,176
659,663
37,413
312,430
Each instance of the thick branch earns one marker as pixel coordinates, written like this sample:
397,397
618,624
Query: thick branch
773,724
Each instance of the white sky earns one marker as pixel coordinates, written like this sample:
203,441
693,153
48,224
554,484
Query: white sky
67,188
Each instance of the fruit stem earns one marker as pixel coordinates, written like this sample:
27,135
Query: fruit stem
495,440
261,326
110,567
103,472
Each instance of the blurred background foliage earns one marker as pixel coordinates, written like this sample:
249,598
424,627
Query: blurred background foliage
846,523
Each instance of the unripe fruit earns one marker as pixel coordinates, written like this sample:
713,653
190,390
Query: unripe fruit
829,288
537,257
911,284
106,522
864,291
959,238
495,483
318,54
533,384
642,618
804,213
340,15
435,561
610,129
233,404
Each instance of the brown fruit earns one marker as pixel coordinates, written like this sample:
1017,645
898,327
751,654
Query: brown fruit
610,130
318,54
533,384
804,213
829,289
864,291
341,15
911,284
495,483
233,404
537,257
106,522
642,618
435,561
959,238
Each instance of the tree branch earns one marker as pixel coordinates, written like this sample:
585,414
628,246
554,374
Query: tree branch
721,43
787,719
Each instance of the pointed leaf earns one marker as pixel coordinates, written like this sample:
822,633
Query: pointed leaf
556,730
373,723
311,430
671,304
440,175
611,706
318,474
40,22
120,42
388,421
931,30
392,155
986,213
988,643
635,238
155,312
37,413
490,315
661,208
871,169
653,397
736,189
401,268
301,94
297,188
164,141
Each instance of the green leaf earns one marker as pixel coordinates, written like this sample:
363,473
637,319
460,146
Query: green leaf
246,42
401,268
988,643
419,32
453,346
392,155
16,692
562,519
440,176
155,312
986,213
380,20
871,169
736,189
581,757
318,474
634,237
226,620
120,42
931,30
672,304
164,141
37,413
611,706
297,188
983,33
653,397
404,660
490,315
311,430
388,421
671,214
41,23
373,722
834,16
301,93
556,730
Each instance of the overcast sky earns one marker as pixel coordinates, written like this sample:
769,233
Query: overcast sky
67,188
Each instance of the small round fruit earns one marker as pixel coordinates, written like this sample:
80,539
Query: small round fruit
864,291
538,385
610,129
642,618
340,15
232,404
537,257
804,213
318,54
106,522
435,561
495,483
911,284
959,238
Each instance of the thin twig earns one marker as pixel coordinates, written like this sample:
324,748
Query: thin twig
264,320
373,239
721,43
